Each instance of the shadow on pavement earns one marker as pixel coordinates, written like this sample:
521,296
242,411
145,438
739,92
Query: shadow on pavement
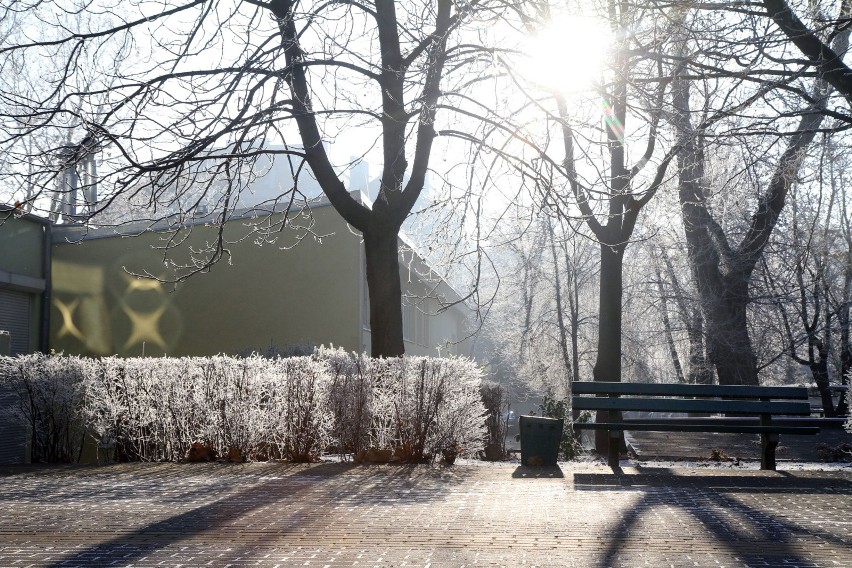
755,536
287,488
770,482
539,472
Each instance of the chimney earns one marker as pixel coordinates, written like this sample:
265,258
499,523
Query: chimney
78,172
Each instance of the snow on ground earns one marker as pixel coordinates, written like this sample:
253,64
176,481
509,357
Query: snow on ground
744,465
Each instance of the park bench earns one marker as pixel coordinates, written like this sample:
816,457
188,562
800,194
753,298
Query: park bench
725,409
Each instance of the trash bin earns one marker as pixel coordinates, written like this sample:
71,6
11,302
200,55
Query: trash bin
540,439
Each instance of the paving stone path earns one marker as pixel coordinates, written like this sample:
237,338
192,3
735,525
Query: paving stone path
468,515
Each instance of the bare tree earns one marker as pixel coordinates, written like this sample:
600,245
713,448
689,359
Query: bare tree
620,193
807,275
667,324
183,97
814,44
723,269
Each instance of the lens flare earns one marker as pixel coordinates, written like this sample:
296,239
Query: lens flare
569,54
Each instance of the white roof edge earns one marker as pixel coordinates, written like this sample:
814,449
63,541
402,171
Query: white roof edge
76,233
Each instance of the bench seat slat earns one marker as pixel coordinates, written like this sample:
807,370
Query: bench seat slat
680,427
680,405
708,391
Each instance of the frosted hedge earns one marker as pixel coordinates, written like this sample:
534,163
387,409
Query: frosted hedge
293,408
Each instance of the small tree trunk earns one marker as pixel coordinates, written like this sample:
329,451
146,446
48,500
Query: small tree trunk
819,353
573,310
574,301
845,343
560,318
700,373
382,251
667,328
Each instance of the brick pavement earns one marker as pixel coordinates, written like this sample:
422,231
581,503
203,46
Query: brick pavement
468,515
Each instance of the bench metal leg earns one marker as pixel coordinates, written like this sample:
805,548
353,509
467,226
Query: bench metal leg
613,450
768,442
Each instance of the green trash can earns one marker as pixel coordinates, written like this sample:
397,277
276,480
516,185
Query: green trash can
540,439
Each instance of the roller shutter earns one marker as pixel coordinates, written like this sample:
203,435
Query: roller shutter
15,314
15,317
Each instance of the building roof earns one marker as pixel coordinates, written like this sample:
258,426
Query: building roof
74,233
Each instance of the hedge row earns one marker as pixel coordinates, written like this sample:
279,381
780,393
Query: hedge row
248,407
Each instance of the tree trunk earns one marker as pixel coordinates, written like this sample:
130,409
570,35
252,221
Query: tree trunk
728,342
723,271
608,361
818,351
819,370
724,297
382,251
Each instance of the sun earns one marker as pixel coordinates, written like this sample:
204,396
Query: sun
569,54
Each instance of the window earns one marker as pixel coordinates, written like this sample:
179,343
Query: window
422,335
407,319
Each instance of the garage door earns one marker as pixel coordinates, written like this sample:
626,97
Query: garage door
14,318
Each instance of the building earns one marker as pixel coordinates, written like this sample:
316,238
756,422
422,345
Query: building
80,290
25,242
300,284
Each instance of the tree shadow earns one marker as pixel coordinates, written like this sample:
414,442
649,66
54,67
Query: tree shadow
777,482
711,500
59,484
287,490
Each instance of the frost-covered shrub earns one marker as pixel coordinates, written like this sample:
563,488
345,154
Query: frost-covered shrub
151,409
306,422
50,393
419,407
349,400
423,406
156,409
461,418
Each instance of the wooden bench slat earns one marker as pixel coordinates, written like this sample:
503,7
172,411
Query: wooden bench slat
831,423
709,391
752,408
680,405
680,427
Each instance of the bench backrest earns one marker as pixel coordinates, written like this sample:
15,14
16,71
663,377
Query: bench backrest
680,389
660,397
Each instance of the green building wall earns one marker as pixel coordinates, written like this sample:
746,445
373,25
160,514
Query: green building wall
301,289
23,269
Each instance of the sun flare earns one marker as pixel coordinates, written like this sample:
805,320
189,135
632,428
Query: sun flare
569,54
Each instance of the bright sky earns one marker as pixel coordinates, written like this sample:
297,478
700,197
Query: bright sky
566,56
569,54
